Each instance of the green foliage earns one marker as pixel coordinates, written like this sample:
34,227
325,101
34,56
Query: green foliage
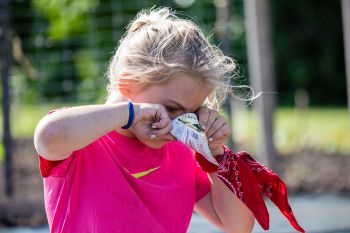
308,48
65,51
19,83
237,36
69,44
89,71
65,16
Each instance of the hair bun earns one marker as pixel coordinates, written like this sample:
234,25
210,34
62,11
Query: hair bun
147,17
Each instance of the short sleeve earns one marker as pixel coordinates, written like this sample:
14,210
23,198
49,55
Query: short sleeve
53,168
203,184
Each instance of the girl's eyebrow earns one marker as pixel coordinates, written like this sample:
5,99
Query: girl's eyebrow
177,104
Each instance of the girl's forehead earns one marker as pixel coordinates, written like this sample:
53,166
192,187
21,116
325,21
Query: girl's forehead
188,91
185,80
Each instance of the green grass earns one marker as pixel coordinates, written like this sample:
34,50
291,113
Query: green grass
326,129
2,152
25,117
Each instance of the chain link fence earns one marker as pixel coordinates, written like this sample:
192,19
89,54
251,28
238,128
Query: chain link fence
59,52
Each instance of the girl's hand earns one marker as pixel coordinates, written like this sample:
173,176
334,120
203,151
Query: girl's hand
216,127
151,121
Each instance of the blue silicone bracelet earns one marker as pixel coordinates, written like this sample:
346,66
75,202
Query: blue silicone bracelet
131,115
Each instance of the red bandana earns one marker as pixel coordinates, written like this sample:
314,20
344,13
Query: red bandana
248,179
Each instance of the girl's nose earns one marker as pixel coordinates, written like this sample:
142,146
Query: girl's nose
172,116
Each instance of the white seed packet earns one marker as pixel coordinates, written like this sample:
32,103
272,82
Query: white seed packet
187,129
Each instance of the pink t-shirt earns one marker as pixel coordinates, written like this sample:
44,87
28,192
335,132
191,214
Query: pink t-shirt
117,184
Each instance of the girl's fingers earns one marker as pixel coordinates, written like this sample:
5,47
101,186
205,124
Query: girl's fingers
203,115
216,125
221,134
161,131
211,122
163,118
161,124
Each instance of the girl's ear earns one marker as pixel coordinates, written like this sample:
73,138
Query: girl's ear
126,86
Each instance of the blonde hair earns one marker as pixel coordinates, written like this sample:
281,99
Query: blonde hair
158,45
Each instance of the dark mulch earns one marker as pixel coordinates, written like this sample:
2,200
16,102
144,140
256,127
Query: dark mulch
26,207
303,172
315,172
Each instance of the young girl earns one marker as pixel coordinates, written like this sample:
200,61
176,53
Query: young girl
115,167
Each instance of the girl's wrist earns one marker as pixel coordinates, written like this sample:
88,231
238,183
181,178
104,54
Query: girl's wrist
130,114
217,151
137,112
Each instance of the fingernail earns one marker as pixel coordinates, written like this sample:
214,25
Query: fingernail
154,126
153,136
203,126
210,139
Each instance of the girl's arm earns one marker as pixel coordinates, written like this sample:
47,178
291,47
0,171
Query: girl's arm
221,206
57,135
224,209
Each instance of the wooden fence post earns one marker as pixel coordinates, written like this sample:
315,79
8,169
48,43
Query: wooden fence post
261,73
345,6
223,15
5,60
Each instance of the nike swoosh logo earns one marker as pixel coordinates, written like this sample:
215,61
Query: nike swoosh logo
140,174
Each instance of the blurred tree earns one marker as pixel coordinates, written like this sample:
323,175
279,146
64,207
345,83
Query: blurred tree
63,35
5,51
22,66
346,35
65,17
307,38
261,67
67,45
